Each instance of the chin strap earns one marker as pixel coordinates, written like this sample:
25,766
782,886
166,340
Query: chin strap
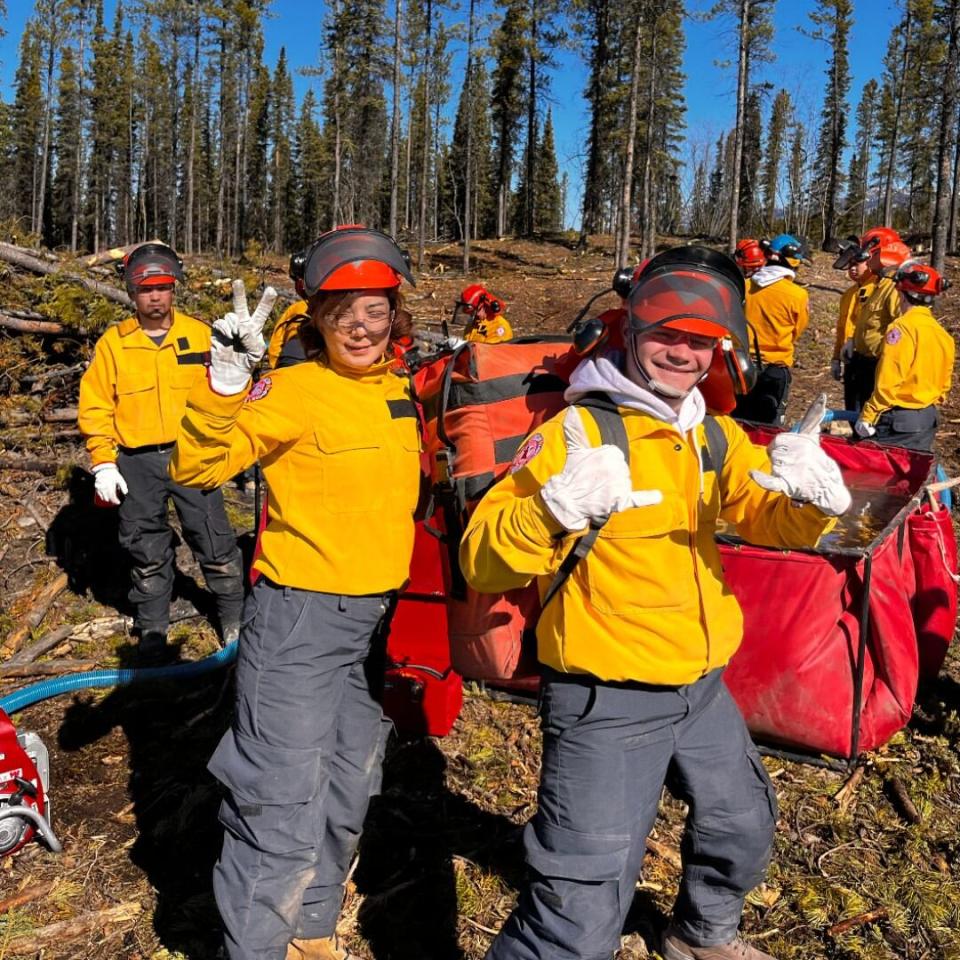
655,385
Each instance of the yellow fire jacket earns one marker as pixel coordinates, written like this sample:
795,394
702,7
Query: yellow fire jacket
495,330
876,313
134,392
648,603
285,330
916,365
853,299
779,313
340,452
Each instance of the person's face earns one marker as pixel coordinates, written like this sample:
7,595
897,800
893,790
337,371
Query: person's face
857,272
672,357
356,335
154,305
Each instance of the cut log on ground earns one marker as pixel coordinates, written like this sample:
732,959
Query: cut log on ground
48,668
27,895
29,261
63,931
29,326
35,617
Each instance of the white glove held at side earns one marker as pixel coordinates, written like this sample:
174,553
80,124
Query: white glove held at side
237,344
836,369
800,469
864,429
109,483
846,351
594,482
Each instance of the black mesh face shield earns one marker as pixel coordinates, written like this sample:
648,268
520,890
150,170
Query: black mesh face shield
151,264
693,289
355,258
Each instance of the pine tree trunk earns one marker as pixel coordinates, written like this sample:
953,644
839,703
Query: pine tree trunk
530,225
337,119
78,152
895,134
408,167
954,198
945,143
425,158
468,172
626,198
648,245
744,8
395,126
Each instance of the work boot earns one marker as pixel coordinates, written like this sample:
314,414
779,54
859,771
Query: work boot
674,948
152,649
324,948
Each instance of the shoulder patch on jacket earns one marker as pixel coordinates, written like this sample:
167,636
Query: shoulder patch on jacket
531,447
259,390
893,336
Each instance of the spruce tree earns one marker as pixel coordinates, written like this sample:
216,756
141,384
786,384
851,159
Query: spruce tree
780,116
67,133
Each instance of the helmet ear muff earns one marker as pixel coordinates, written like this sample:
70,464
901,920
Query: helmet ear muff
589,336
494,306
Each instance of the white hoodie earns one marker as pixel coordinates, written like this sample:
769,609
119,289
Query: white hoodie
603,374
771,273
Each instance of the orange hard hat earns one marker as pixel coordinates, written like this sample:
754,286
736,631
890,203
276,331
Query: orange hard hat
351,257
749,256
150,265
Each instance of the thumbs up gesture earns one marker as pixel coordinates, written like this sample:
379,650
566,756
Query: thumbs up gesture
237,344
594,483
800,469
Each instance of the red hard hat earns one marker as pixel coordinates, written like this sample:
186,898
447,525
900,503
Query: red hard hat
151,265
877,235
920,281
749,255
354,257
887,253
471,297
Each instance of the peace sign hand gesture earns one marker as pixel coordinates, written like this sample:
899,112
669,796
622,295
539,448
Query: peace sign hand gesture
237,344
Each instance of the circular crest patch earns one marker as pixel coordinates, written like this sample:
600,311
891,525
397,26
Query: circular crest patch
893,336
259,390
531,447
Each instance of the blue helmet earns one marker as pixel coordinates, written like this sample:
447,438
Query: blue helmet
788,249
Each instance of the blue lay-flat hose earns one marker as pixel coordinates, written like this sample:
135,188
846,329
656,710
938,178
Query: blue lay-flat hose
115,678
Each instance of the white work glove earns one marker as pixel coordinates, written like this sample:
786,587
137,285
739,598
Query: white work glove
237,344
846,351
801,470
594,482
864,429
108,483
836,369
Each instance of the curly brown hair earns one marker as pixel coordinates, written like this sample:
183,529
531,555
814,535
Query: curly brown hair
326,302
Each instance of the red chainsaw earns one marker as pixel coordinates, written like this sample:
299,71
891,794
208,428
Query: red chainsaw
24,789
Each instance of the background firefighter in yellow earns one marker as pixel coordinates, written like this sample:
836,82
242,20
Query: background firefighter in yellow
915,367
483,316
337,436
132,398
852,300
882,250
777,311
635,640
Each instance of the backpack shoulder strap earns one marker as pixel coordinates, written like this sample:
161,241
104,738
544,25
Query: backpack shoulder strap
607,415
716,443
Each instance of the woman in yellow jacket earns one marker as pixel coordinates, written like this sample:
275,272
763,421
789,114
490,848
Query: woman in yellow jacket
634,643
915,368
338,440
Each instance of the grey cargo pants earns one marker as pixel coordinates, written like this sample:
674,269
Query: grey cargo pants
607,751
146,535
301,762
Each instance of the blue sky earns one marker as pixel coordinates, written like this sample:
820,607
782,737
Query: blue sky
799,66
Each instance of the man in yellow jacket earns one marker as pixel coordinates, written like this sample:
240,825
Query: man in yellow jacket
778,312
851,302
882,251
132,398
915,369
634,641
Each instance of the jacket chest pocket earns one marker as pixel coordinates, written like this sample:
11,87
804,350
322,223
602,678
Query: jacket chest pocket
353,470
641,560
135,381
